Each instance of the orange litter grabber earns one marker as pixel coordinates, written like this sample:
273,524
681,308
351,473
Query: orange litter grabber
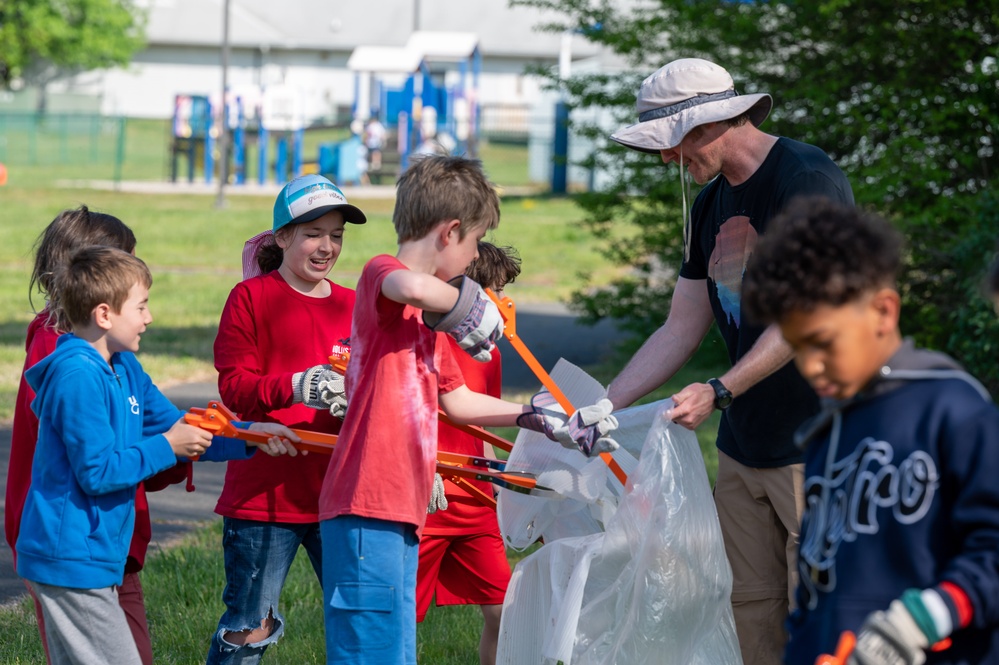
847,642
508,310
477,432
218,419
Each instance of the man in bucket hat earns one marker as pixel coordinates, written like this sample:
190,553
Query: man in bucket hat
690,113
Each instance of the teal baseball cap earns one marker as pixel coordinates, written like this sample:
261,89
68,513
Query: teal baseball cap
309,197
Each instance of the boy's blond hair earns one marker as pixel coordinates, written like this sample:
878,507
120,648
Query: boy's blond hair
438,188
94,276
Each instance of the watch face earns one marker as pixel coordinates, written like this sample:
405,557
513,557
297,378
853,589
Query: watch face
723,397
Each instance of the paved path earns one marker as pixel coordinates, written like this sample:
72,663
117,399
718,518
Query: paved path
549,331
268,189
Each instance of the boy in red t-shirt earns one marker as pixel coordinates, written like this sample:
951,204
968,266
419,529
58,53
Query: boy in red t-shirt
462,555
374,498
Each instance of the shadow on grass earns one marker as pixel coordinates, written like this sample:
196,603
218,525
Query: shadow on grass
187,342
12,333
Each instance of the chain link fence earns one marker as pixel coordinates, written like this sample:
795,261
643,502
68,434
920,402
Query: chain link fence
59,139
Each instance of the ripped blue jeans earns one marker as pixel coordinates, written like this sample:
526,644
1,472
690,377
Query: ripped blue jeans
258,556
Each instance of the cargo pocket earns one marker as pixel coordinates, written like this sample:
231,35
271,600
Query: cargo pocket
361,612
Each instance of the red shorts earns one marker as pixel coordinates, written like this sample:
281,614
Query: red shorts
461,570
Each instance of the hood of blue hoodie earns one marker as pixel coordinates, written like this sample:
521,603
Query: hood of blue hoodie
908,363
67,345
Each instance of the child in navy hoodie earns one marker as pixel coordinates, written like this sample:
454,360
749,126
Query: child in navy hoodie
103,428
900,534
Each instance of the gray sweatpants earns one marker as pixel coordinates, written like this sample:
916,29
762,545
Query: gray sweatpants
85,626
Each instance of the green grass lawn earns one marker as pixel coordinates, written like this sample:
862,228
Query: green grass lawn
183,589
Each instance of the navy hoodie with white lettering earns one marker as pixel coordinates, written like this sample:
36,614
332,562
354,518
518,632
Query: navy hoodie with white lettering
902,491
100,433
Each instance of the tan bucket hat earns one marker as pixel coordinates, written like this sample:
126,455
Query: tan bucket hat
682,95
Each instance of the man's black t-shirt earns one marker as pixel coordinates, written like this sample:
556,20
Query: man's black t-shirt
726,222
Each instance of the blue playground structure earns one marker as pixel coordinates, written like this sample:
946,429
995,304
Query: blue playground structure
195,136
192,136
425,94
435,70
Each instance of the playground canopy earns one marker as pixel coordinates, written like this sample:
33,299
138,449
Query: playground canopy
385,60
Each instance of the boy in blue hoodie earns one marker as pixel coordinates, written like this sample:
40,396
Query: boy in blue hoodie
900,534
103,428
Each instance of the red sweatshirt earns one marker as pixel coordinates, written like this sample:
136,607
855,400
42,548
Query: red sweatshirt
269,331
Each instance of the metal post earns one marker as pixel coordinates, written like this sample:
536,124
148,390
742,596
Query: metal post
560,156
224,123
119,158
262,140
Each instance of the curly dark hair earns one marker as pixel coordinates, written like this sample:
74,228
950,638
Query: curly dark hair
496,266
818,252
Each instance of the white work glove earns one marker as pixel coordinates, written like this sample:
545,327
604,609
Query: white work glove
319,387
586,430
438,500
474,321
890,638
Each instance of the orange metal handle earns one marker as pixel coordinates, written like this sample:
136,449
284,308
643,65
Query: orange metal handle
218,419
478,432
508,310
847,642
464,484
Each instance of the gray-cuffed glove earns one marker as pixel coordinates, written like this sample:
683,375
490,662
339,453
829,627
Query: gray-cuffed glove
890,638
319,387
586,430
545,415
588,427
474,321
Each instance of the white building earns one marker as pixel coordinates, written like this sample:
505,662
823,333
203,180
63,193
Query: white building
306,44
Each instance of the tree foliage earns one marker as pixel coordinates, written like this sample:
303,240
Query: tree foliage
39,36
903,94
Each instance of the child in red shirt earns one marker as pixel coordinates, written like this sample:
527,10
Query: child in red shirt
375,496
276,334
462,555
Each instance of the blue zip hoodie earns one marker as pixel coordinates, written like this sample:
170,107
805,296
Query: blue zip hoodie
100,433
901,492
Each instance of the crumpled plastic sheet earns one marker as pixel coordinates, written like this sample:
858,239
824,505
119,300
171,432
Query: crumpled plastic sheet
628,575
585,490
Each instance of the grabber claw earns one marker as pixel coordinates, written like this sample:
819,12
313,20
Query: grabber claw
508,310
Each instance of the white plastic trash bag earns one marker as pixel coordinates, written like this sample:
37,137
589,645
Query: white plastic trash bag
659,589
646,581
586,491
